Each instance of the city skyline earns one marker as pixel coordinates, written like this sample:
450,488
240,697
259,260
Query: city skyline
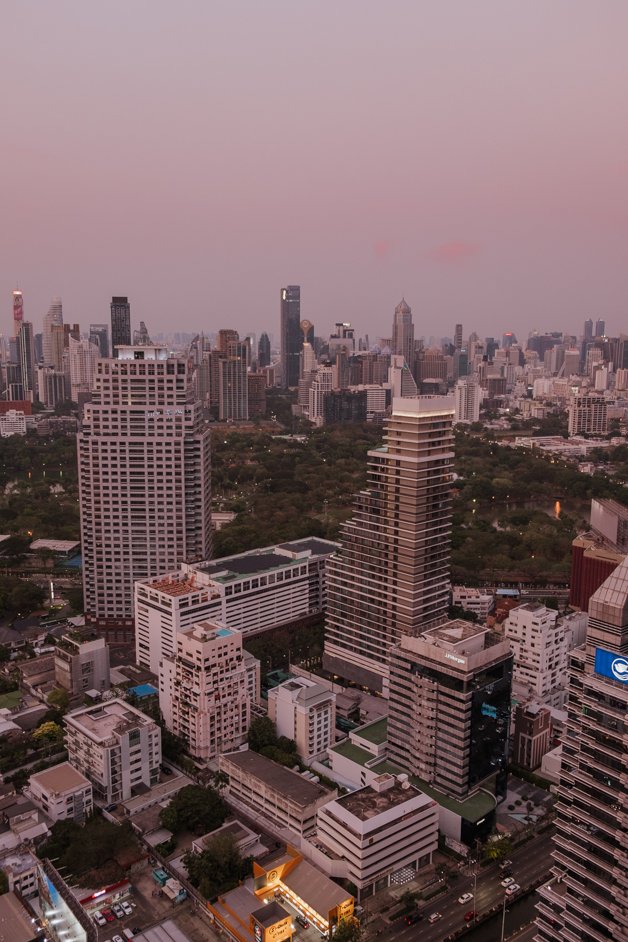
470,158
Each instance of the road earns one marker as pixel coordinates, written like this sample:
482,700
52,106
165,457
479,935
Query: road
530,863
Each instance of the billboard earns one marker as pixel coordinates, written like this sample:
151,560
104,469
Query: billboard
612,665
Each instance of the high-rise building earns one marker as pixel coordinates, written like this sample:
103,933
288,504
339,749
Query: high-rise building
403,333
600,327
588,414
203,690
141,337
588,329
401,380
82,357
58,344
144,478
18,312
540,646
449,707
120,323
588,898
26,353
263,351
99,335
53,317
291,334
233,394
391,575
304,711
458,337
467,396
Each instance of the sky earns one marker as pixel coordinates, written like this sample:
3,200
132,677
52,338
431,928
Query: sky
199,155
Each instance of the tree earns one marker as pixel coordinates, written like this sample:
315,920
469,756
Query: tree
59,699
48,733
349,930
218,868
262,733
194,809
497,850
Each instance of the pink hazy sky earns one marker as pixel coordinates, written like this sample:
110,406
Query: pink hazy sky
198,155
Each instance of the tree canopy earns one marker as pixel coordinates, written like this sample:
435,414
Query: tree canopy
196,809
218,868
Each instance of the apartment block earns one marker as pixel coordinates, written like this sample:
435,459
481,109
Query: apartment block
82,662
304,711
473,600
588,414
539,644
390,576
116,746
62,792
380,829
251,592
204,690
449,707
283,797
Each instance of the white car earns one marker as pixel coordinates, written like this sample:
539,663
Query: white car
512,889
127,908
465,898
435,917
99,919
507,881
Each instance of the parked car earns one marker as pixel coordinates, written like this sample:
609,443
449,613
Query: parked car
505,864
435,917
127,908
507,881
117,911
166,770
108,915
465,898
512,889
302,921
470,916
99,919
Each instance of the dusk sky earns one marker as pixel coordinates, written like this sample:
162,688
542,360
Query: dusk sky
199,155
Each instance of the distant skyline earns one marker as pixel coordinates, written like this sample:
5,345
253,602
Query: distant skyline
472,157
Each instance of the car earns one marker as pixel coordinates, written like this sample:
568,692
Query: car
108,915
127,908
110,807
465,898
166,770
507,881
507,872
435,917
470,916
99,919
512,889
117,911
505,864
302,921
411,918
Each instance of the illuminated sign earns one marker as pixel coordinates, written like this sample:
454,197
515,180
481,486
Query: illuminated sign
487,710
612,665
455,658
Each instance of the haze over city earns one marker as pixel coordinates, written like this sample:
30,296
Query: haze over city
472,157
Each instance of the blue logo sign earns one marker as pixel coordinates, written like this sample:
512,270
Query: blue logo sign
487,710
610,664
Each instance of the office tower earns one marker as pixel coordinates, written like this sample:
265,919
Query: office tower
120,323
141,337
203,690
322,384
18,312
588,329
233,396
467,398
391,574
458,337
82,357
291,335
588,899
588,414
622,353
401,379
403,333
508,340
343,338
256,391
99,335
600,328
57,340
144,480
263,351
449,707
50,386
54,317
26,353
308,361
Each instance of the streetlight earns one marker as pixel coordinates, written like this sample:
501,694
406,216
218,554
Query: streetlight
503,918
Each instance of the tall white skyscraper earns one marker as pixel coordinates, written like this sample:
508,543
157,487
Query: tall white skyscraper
53,318
403,332
82,357
391,575
467,396
144,477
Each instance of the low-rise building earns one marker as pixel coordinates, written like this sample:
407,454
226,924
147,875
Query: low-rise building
252,592
531,739
62,792
304,711
380,829
116,746
16,921
204,690
20,868
82,662
272,792
473,600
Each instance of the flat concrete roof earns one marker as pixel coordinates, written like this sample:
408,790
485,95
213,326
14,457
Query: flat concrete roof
15,920
290,784
375,732
60,778
367,803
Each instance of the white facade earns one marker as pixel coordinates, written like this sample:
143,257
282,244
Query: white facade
144,478
322,384
116,746
204,692
379,829
83,357
12,422
588,414
251,592
473,600
304,711
62,793
82,663
467,398
539,645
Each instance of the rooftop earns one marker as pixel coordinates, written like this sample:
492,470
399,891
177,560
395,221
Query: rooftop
455,631
59,778
267,558
368,802
15,920
269,914
290,784
102,721
375,732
